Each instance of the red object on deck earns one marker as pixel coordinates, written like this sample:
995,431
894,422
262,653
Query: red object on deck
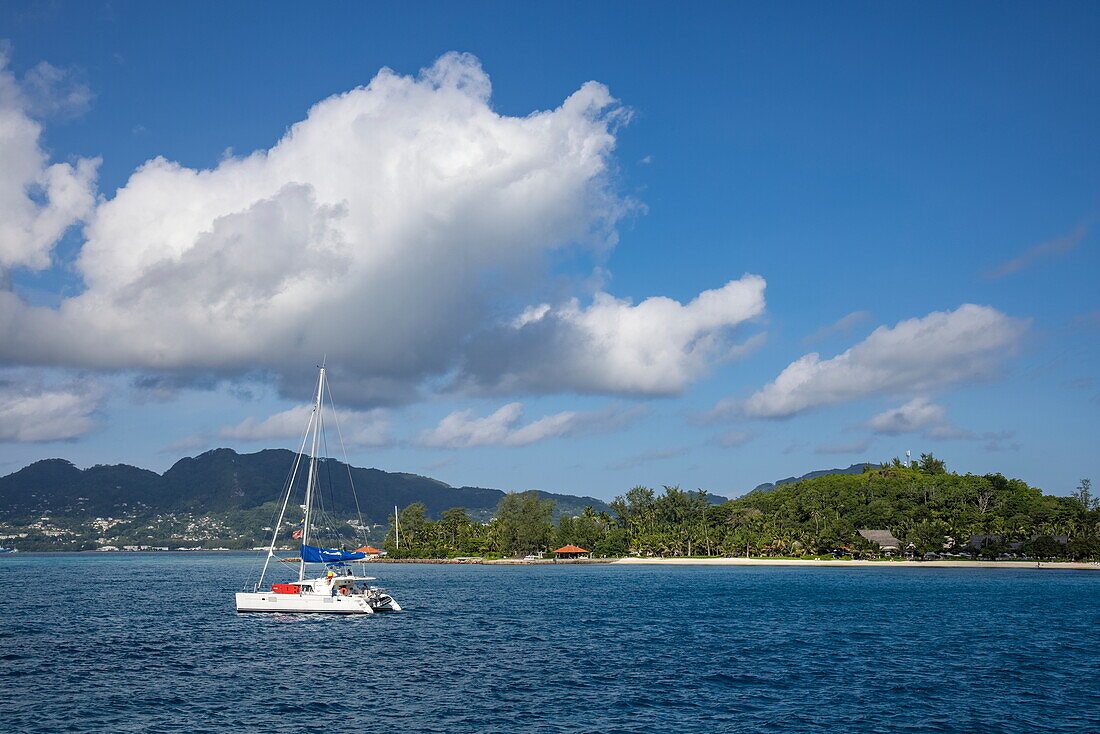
286,588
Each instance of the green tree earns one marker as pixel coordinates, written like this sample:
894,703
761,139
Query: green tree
453,523
929,464
1083,496
522,524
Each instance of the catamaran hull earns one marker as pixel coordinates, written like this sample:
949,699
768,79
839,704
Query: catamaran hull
313,604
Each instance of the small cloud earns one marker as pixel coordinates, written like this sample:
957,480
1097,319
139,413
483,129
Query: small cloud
918,414
139,129
34,412
725,410
52,92
843,325
794,447
354,427
733,438
1048,250
921,415
746,348
165,387
948,432
503,427
857,447
648,159
648,456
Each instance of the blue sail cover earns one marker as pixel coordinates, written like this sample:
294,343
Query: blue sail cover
311,554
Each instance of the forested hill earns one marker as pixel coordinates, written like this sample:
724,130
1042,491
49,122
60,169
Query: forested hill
927,509
924,506
222,480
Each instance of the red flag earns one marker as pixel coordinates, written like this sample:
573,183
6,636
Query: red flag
297,534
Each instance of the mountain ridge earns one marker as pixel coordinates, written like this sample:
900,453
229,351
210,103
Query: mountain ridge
221,480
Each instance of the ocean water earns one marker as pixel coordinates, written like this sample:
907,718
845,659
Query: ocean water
151,643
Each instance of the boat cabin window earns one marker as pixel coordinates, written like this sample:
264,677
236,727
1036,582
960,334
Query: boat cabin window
306,588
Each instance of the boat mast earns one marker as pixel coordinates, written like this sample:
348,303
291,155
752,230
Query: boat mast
312,468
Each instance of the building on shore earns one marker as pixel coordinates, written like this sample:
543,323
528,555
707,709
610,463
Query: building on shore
570,552
884,538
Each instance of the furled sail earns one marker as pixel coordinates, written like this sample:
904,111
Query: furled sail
311,554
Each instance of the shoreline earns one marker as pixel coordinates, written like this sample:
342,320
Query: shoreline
638,561
1034,565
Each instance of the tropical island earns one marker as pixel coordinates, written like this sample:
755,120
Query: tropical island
925,510
222,500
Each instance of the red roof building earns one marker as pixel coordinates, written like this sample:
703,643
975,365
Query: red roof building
570,551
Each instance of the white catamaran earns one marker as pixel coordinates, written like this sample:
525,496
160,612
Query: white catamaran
337,590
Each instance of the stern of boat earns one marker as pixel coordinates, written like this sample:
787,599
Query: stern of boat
384,603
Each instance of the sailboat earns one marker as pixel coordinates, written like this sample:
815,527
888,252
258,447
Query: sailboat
337,590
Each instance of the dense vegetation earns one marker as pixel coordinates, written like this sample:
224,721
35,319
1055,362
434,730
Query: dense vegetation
522,525
929,509
224,499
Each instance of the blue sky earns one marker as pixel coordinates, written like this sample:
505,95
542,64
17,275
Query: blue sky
478,273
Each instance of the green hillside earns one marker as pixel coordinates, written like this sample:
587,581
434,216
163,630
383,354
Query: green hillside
217,497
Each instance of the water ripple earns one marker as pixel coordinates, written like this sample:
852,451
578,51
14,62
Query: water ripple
150,643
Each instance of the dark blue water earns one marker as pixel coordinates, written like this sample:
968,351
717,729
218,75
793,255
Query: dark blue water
150,643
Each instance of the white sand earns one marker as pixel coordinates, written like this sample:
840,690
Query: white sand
873,564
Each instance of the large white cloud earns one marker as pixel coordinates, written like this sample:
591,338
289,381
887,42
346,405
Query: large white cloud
613,346
917,355
504,426
31,411
380,230
397,229
38,201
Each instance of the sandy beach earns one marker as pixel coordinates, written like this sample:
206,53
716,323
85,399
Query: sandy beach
844,563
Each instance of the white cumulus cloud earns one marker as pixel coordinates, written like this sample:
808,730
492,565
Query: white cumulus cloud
38,200
504,426
655,347
920,354
381,230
